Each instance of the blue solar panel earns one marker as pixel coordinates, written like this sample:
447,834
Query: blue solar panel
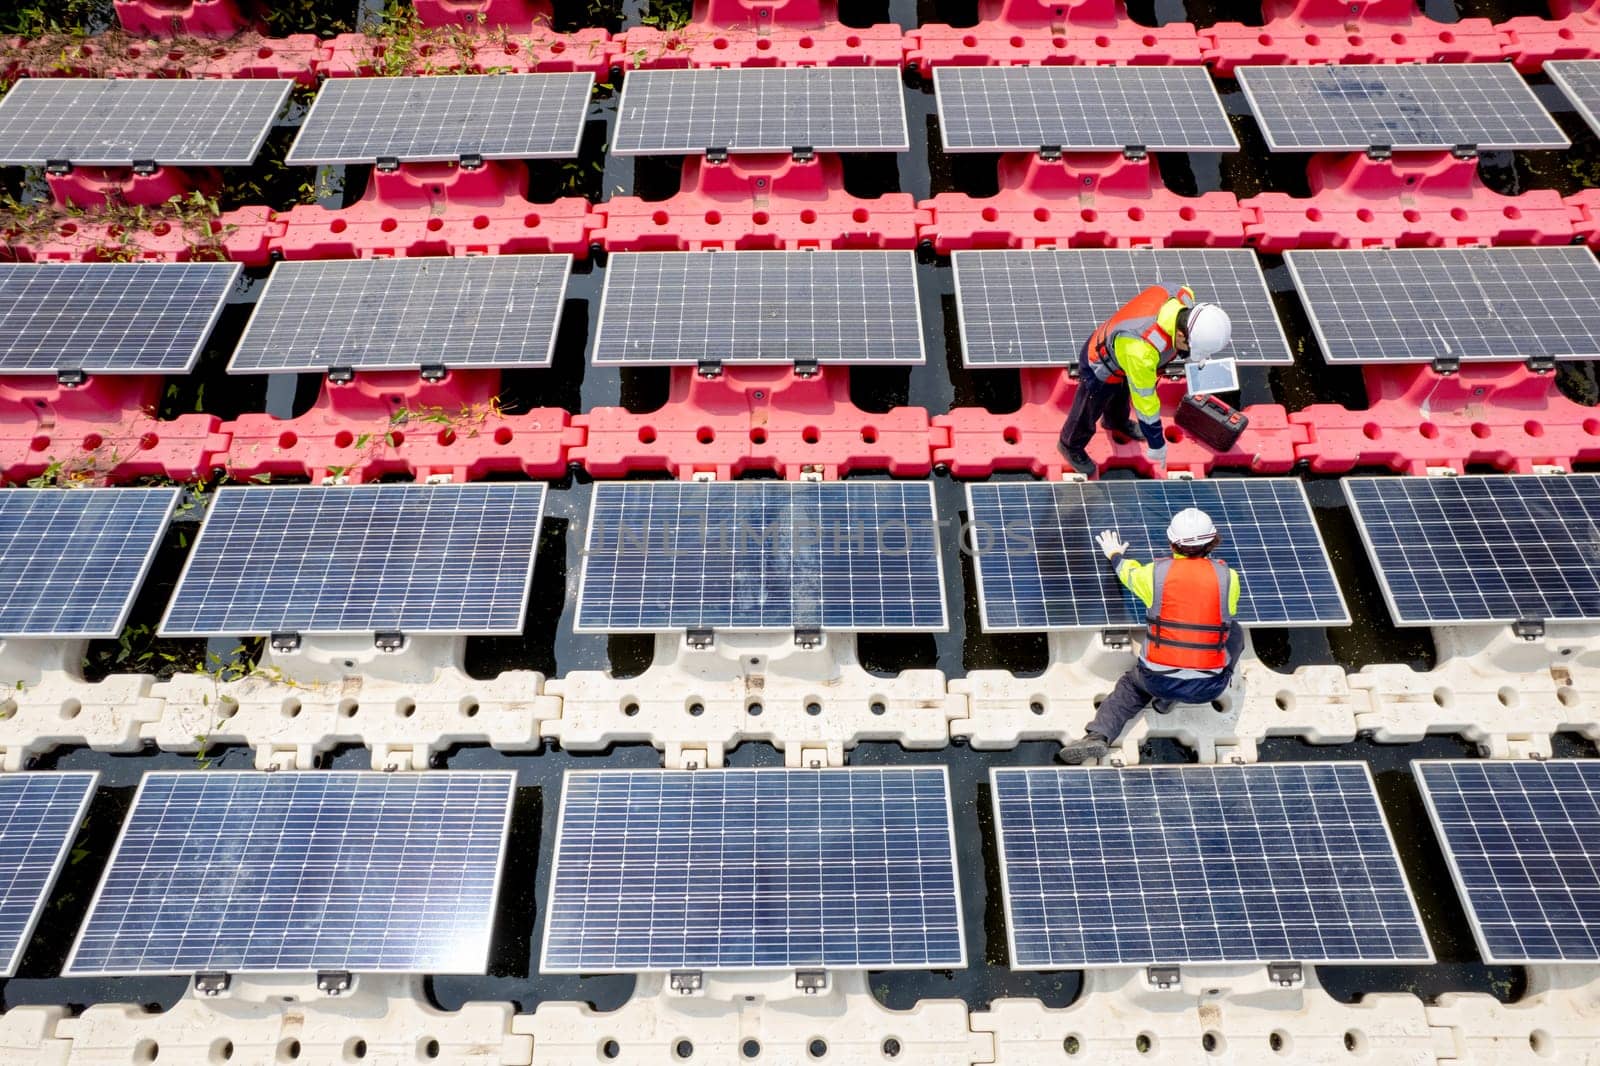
72,560
363,559
1523,842
754,869
39,817
247,872
1287,862
1498,548
854,555
1039,568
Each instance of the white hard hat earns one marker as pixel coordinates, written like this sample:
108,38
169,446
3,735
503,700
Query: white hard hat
1209,330
1191,528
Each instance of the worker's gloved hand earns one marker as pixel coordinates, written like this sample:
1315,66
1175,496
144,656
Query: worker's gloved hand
1111,544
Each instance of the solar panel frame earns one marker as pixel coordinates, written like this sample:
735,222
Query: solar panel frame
1095,108
745,608
1575,573
1111,276
1187,922
184,616
439,132
1463,99
1532,889
1543,315
735,317
593,966
857,84
382,311
143,108
123,934
108,584
20,863
47,346
1579,82
1159,501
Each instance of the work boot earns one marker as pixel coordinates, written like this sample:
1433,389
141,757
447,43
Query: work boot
1163,706
1127,429
1078,459
1091,746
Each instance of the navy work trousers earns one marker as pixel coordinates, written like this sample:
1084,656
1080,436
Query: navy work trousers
1093,401
1139,686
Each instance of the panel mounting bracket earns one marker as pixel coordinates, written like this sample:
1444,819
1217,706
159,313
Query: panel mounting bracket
716,155
1380,152
1464,151
433,372
341,375
471,161
71,378
211,984
1542,364
1161,976
699,639
145,167
57,167
685,981
387,164
806,368
1116,638
709,368
1529,629
1135,152
1050,152
1285,974
808,637
334,982
389,641
284,641
811,981
804,154
1446,364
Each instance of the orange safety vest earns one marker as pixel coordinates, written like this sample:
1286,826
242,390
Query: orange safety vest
1136,318
1188,621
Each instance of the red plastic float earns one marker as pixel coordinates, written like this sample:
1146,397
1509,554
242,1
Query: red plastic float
249,55
518,15
238,236
1020,32
1086,200
353,55
761,33
1509,418
1348,31
755,418
1573,32
98,186
758,202
198,18
1584,209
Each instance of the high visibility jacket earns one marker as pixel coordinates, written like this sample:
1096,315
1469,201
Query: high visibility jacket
1135,343
1191,608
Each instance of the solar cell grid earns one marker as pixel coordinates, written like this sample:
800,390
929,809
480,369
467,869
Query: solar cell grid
1038,566
743,555
1579,81
447,559
1522,839
1495,548
441,118
761,109
1450,304
1037,308
753,307
754,869
295,872
117,318
39,817
1189,864
1022,109
365,314
72,560
114,122
1354,107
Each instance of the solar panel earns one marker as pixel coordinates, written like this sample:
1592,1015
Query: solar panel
72,560
39,817
445,559
1523,842
1037,308
297,872
1264,862
1023,109
1579,81
754,869
442,118
1039,568
761,109
117,122
743,555
392,314
756,307
1498,548
1450,304
1355,107
114,318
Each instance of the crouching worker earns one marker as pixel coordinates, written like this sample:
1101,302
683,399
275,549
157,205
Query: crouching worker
1191,639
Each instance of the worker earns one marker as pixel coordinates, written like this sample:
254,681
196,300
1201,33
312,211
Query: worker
1121,361
1191,638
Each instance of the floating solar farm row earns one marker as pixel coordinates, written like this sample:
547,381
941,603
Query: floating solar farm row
1014,308
846,556
112,122
367,872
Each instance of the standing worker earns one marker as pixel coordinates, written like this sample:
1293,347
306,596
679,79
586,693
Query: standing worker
1122,360
1191,638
